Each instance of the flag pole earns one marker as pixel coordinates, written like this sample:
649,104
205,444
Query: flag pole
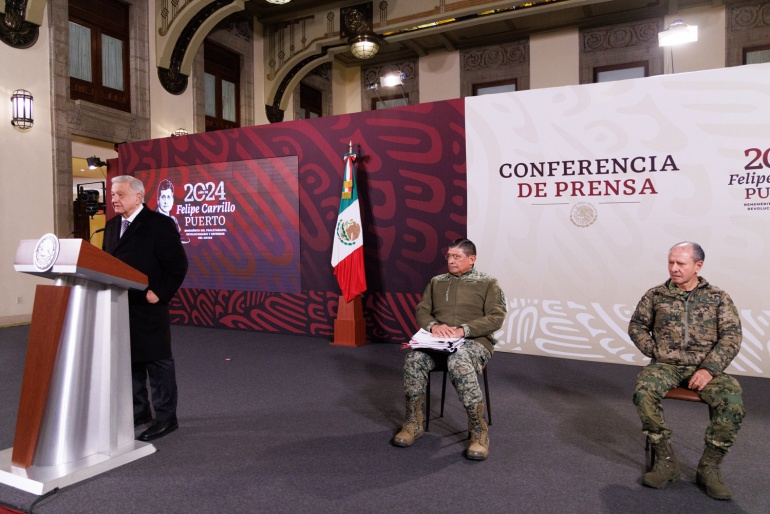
349,325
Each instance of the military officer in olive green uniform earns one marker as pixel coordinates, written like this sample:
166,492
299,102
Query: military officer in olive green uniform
462,303
691,331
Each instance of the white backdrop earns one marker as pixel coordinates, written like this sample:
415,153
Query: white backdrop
576,194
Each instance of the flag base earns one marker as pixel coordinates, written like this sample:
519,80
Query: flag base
350,326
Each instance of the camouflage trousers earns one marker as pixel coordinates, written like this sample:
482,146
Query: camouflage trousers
722,394
463,366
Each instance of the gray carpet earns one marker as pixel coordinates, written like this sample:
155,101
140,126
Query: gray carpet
287,424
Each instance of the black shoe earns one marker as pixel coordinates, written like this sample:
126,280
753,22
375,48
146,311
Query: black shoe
143,420
158,430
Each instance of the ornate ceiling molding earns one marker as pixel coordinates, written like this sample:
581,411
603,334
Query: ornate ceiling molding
751,16
275,111
180,41
627,36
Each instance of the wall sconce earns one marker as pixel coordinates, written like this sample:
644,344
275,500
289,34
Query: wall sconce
95,162
179,132
21,109
364,46
677,33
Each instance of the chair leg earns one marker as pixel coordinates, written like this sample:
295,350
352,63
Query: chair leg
443,398
443,394
486,393
427,405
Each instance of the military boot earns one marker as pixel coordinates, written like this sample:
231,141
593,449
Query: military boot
709,476
479,447
412,428
665,469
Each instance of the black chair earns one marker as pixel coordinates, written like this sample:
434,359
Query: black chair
441,366
677,393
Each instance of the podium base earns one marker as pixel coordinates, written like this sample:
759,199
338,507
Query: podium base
42,479
350,326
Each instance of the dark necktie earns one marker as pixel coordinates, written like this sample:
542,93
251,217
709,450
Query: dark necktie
124,226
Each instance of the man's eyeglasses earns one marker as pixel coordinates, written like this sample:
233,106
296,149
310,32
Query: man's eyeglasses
455,256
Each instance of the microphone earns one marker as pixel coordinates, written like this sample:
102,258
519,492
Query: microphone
95,232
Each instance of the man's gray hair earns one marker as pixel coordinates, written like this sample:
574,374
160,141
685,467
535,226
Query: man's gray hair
135,184
697,252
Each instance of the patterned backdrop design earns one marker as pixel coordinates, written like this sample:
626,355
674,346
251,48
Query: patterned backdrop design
592,331
412,187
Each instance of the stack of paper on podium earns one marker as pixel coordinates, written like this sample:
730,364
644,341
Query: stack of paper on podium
424,340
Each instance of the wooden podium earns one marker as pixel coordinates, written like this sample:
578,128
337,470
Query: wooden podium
75,412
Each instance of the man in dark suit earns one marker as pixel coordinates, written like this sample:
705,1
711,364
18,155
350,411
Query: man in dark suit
149,242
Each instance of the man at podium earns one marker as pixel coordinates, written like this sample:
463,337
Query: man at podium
148,241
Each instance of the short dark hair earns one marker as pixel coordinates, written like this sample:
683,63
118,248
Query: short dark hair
466,245
165,184
697,251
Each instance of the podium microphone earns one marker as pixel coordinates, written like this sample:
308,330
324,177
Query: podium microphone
95,232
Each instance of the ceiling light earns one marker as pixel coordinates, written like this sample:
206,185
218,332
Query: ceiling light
278,2
677,33
364,46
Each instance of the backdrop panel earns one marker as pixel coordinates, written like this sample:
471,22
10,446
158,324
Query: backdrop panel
412,188
576,194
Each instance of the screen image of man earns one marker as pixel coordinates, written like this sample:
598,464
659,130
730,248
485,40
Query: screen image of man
166,204
149,242
691,330
462,303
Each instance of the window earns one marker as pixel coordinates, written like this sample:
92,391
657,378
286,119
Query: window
386,102
633,70
221,84
310,102
756,55
99,53
490,88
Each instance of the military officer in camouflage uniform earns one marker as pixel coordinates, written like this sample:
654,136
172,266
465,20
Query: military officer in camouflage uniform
691,331
462,303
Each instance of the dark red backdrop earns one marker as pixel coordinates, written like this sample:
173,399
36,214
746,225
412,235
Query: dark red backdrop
412,188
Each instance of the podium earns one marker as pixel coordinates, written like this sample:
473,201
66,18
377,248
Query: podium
75,411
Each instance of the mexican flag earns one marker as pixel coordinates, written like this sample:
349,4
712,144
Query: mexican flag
348,249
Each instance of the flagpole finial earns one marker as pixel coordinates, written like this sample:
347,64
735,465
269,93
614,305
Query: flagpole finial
350,147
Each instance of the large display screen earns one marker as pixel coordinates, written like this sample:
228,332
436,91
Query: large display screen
238,220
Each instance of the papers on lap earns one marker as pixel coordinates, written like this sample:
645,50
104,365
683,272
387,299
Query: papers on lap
424,340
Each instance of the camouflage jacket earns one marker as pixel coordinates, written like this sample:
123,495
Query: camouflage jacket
698,328
472,300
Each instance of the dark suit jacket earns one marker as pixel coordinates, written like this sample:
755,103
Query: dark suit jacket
151,245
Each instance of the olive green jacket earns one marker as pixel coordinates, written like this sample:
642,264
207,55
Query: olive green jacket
698,328
472,300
